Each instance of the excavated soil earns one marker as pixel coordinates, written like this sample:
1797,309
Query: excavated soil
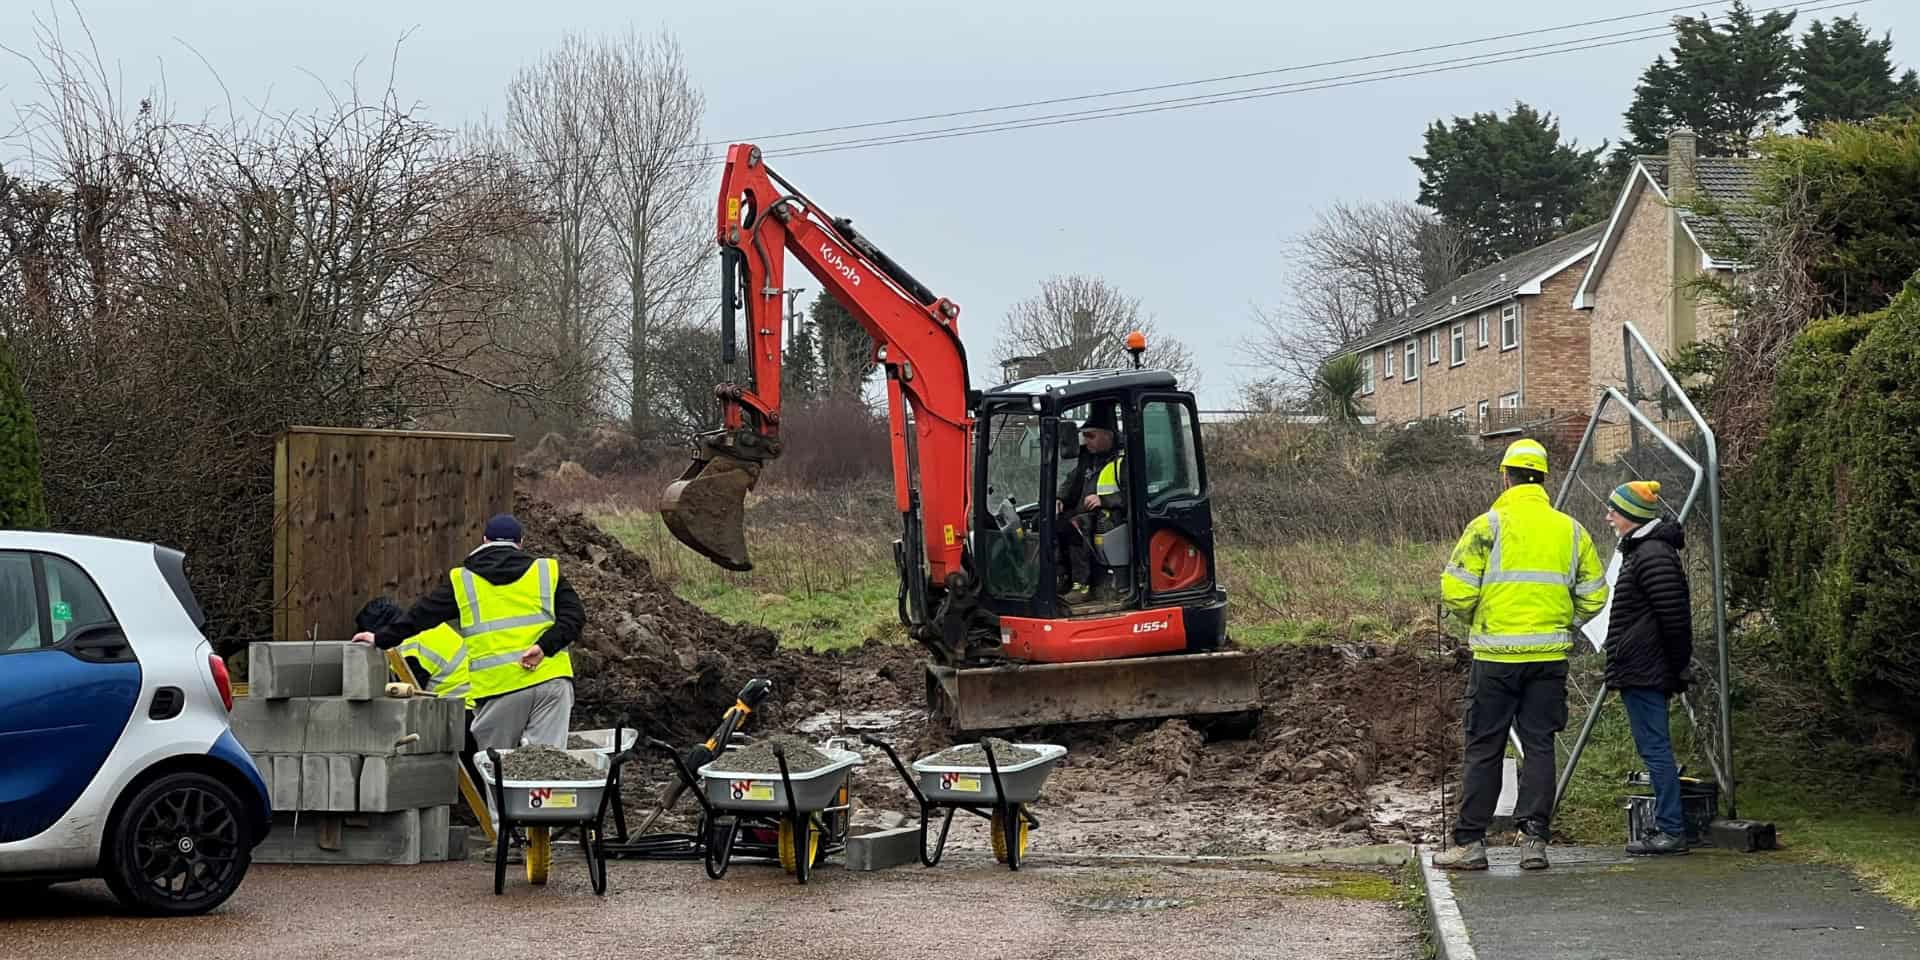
1352,746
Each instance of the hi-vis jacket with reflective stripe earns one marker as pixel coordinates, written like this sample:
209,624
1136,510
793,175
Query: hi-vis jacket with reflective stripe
443,651
501,622
1526,575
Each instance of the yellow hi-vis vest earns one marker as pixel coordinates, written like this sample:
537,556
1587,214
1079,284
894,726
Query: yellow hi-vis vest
500,623
443,651
1527,575
1107,484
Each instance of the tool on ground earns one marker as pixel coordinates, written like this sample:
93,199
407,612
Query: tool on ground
700,754
982,585
998,794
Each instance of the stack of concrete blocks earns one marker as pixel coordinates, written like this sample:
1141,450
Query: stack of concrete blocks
327,741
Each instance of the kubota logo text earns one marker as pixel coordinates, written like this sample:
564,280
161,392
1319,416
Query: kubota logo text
827,253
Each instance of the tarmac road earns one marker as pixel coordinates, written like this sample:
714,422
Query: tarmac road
966,908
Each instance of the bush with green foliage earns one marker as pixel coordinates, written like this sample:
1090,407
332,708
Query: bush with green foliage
1859,187
1824,520
22,501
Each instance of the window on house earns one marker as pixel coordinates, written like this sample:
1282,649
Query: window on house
1433,347
1483,414
1483,329
1459,344
1413,360
1509,327
1386,361
1366,371
1510,401
1457,415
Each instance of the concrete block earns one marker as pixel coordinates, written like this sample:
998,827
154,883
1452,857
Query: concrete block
279,671
338,725
883,848
435,825
457,840
388,784
390,838
285,792
314,781
363,672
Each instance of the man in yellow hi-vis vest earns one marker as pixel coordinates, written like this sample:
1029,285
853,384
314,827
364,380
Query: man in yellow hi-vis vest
1525,576
517,616
1090,502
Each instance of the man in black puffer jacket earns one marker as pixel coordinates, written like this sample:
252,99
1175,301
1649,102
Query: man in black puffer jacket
1650,647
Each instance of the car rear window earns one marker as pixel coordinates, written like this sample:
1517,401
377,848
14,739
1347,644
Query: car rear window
173,567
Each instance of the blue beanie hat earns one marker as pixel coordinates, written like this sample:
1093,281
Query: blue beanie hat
504,529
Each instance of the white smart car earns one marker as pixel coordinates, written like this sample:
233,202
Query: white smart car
115,756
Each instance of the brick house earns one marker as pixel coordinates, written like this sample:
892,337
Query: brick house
1652,250
1499,350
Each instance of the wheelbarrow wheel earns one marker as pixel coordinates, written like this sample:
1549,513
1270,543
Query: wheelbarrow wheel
1004,852
793,836
539,854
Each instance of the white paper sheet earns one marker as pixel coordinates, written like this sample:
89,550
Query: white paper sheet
1596,629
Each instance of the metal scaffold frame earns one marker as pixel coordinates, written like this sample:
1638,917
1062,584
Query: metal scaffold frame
1705,487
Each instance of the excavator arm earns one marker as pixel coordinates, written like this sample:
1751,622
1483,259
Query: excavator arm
916,339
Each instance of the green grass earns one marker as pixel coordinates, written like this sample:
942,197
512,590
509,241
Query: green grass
1324,592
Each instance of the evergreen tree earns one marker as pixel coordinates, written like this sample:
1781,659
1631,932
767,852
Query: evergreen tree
1845,74
1507,184
1726,80
22,499
800,370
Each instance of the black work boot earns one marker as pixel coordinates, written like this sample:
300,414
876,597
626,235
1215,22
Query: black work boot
1657,843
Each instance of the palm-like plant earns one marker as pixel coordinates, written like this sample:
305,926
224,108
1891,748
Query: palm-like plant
1337,387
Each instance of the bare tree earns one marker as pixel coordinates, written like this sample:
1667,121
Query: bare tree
553,127
657,212
1359,266
1079,322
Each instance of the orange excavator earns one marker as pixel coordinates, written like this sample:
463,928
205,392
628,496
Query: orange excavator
1054,574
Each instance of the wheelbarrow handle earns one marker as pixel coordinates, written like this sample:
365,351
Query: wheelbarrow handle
900,768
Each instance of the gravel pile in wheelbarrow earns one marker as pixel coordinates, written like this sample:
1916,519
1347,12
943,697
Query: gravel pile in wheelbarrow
970,755
758,757
578,742
546,763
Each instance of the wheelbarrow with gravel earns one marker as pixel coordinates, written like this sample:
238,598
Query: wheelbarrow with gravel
545,789
994,780
781,799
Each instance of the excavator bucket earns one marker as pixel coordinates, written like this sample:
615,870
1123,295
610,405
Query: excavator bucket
706,508
1220,688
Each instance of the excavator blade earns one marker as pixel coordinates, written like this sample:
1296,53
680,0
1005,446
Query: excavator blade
706,508
1221,687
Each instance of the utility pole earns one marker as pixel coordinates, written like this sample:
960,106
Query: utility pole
793,311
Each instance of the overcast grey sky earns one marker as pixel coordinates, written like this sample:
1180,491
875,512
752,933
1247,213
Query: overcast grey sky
1185,209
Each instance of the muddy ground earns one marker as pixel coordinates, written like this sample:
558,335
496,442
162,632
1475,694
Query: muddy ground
1350,748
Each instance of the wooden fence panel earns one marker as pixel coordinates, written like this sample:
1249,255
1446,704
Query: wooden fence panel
359,513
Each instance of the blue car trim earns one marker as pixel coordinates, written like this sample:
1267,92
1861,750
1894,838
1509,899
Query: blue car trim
228,748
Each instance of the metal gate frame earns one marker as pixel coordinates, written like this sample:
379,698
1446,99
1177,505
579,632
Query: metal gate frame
1706,481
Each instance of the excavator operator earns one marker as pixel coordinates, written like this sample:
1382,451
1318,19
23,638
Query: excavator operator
1090,504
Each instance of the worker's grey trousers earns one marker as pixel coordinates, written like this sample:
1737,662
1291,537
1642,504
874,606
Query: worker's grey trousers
540,715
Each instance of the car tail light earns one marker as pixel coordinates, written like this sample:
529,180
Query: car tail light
221,680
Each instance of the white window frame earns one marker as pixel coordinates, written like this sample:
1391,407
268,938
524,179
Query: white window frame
1510,401
1485,413
1412,372
1457,342
1433,346
1509,326
1458,415
1483,330
1386,362
1366,367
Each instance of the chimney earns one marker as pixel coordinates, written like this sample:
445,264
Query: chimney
1681,153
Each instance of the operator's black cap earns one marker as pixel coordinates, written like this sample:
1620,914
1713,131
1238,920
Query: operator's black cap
1100,418
504,529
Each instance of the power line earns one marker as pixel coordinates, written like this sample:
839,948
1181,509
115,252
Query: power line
1344,61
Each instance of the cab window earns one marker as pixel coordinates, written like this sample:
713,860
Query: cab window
73,602
1172,460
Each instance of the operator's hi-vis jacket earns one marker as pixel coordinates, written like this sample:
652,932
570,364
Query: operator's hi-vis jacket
1527,575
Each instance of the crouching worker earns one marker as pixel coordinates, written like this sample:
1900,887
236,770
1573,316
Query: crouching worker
1650,647
518,616
437,660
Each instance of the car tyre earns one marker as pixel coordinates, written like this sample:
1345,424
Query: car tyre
178,847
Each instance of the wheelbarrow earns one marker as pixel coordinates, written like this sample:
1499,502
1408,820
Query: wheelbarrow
802,812
995,793
542,806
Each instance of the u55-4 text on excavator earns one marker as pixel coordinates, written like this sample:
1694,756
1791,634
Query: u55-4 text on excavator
1055,575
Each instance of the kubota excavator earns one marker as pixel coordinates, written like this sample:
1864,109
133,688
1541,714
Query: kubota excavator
984,553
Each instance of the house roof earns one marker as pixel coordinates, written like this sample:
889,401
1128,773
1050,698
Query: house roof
1522,273
1732,182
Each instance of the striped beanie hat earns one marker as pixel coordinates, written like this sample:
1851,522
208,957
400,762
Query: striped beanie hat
1639,500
